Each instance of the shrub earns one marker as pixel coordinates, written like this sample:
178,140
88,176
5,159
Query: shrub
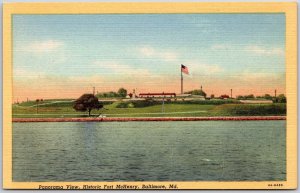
130,105
250,109
137,104
281,98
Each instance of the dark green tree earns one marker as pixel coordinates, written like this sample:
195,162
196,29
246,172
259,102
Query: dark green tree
250,96
281,98
240,97
87,102
268,97
107,94
122,92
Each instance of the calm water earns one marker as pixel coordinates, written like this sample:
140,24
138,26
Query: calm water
151,151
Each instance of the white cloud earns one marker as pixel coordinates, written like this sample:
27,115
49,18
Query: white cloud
254,49
147,51
213,68
21,73
165,55
207,69
254,77
43,46
264,50
120,68
169,56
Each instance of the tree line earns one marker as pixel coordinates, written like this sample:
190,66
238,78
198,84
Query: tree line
122,92
281,98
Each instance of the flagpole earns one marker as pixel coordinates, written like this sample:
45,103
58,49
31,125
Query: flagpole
181,79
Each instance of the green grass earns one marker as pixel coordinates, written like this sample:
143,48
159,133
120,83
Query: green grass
33,103
112,111
173,109
249,109
157,109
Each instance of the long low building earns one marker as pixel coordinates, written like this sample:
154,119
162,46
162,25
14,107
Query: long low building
152,95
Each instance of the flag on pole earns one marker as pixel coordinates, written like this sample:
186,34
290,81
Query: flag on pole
184,69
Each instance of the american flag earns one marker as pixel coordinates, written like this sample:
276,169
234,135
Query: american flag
184,69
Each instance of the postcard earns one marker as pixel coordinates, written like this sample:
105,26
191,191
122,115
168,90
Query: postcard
153,96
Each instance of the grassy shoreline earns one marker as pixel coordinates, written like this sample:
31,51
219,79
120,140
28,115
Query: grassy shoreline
63,109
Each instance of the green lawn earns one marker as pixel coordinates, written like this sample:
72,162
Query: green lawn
45,102
111,111
63,108
170,110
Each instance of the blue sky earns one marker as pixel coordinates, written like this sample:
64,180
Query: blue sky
144,51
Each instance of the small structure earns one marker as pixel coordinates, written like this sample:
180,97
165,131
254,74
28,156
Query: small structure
198,97
129,95
184,95
157,95
256,101
224,96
